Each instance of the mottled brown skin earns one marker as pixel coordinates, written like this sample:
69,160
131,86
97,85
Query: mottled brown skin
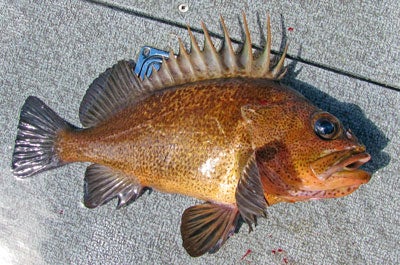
190,140
196,138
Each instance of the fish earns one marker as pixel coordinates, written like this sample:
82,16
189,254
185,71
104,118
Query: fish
213,124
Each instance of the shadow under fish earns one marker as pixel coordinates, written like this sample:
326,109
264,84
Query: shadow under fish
213,124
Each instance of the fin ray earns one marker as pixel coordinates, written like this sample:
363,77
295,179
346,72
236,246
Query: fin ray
249,194
103,184
206,227
34,149
227,52
210,53
262,63
110,92
246,55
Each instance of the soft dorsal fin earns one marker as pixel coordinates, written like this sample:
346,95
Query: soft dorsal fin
110,92
119,86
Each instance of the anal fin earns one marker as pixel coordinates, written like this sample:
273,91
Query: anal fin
103,184
206,227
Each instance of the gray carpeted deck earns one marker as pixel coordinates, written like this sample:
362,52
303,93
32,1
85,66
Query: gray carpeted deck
350,61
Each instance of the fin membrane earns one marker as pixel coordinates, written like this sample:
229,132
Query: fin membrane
249,194
206,227
111,92
103,184
34,149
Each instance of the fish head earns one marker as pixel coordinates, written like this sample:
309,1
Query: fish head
304,153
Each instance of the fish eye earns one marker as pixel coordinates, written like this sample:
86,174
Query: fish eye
326,126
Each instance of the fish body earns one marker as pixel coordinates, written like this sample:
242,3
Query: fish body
191,139
214,125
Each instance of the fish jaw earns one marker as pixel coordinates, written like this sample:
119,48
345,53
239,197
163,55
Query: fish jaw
306,195
335,174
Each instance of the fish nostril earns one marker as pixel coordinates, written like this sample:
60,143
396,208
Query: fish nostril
349,134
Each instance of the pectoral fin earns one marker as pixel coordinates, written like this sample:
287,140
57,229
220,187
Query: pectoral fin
249,193
103,184
206,227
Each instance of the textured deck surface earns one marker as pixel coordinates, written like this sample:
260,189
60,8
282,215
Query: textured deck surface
346,60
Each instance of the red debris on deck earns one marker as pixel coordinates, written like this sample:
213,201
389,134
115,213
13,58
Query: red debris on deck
247,253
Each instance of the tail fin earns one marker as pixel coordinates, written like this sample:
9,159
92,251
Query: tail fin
34,149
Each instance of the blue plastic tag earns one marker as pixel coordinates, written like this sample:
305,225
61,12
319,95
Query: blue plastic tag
149,57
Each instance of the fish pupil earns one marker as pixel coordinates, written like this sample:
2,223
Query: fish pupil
324,127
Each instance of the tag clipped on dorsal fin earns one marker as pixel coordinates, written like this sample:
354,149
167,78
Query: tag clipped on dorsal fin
206,227
103,184
249,194
111,92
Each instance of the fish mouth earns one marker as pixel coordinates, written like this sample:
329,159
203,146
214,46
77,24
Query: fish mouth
335,174
340,169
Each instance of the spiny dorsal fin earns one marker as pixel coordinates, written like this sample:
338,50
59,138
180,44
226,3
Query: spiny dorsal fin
210,64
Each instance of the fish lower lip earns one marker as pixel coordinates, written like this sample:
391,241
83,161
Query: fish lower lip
354,174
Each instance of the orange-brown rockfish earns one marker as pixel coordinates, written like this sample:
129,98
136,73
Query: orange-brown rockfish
211,124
